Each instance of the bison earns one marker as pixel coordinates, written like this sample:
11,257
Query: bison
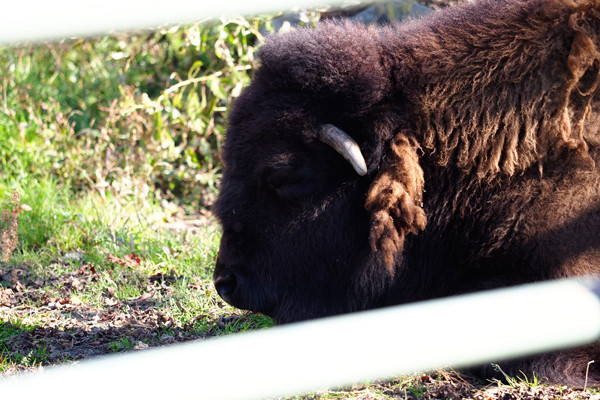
371,166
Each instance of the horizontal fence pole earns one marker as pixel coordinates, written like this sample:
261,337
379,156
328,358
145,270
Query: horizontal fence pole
333,352
40,20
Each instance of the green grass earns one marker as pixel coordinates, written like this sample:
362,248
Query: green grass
110,263
121,345
122,238
10,360
522,380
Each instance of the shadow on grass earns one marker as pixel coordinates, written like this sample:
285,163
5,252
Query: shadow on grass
23,347
43,320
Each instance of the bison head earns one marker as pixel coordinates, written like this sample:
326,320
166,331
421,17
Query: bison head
318,192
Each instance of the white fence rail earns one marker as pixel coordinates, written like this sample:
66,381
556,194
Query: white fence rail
28,20
332,352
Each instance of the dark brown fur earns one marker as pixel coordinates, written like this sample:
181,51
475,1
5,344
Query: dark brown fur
480,126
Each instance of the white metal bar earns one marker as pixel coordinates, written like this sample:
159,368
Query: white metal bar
333,352
29,20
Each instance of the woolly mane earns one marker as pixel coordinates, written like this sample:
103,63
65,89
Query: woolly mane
499,87
476,99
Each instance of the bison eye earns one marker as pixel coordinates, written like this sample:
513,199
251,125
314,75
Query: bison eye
290,183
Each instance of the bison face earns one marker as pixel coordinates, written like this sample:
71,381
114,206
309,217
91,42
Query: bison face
310,227
295,230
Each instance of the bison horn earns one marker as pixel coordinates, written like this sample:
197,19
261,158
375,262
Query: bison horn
345,145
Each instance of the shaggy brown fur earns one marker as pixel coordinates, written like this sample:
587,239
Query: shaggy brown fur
480,128
395,199
503,130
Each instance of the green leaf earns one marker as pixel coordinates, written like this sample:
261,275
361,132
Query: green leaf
214,84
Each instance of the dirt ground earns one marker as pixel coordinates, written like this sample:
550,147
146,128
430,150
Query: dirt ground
67,330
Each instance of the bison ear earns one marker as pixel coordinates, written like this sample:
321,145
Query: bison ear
394,199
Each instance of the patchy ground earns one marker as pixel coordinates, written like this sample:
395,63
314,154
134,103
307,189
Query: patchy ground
56,326
451,385
75,308
44,321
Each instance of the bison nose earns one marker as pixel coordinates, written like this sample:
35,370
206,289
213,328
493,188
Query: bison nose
233,287
225,283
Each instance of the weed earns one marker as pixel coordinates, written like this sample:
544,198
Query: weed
120,345
7,331
9,222
517,381
417,390
29,358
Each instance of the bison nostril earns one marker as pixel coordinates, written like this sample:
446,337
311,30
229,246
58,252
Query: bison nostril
225,284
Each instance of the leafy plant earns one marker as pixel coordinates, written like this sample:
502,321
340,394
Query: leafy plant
133,114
